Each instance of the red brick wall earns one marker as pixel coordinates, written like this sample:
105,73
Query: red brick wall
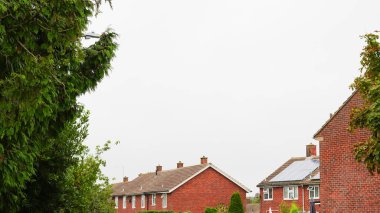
148,201
346,186
278,198
208,189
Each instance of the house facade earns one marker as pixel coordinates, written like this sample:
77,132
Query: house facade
346,185
191,188
297,180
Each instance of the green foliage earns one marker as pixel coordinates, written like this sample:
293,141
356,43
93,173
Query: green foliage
236,206
221,208
284,207
211,210
368,116
294,208
44,68
256,199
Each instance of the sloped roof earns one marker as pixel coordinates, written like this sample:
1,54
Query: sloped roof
165,181
333,116
297,170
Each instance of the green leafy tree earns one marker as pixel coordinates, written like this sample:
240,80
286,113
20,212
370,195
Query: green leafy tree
44,68
80,185
236,206
368,116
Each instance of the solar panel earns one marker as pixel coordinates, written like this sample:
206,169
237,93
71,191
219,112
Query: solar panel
317,176
298,170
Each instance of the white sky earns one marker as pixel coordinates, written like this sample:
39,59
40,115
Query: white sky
245,83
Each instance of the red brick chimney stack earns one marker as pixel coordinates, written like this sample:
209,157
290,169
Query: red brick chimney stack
125,179
179,165
311,150
158,168
203,160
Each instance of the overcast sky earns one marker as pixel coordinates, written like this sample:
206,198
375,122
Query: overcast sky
245,83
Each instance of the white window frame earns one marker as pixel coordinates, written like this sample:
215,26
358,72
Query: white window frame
288,190
164,201
133,202
116,202
312,190
268,191
153,199
143,201
124,202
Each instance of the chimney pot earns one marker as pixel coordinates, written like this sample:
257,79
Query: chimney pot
311,150
179,165
125,179
203,160
158,168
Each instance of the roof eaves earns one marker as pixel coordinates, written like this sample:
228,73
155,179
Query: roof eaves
191,177
230,178
218,170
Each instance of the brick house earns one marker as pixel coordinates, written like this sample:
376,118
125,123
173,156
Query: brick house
346,186
191,188
297,180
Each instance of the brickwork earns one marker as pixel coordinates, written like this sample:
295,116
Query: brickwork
302,201
148,201
346,186
208,189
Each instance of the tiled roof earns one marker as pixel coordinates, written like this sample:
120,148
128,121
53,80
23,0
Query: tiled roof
297,170
164,181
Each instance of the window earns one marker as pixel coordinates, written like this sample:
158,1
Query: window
313,192
133,202
153,199
290,192
124,202
116,202
142,201
268,193
164,200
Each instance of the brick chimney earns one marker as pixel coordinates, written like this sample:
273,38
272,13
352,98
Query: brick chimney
311,150
179,165
158,168
203,160
125,179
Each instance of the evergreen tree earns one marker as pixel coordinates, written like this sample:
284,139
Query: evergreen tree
236,206
44,68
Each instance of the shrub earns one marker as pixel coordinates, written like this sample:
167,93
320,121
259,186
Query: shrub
284,207
221,208
294,208
211,210
236,206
